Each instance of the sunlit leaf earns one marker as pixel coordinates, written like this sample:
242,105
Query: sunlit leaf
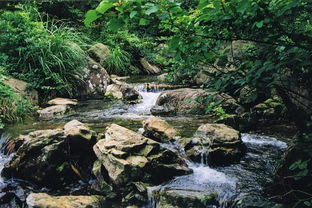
104,6
151,10
90,17
133,13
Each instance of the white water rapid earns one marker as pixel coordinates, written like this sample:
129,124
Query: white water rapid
228,182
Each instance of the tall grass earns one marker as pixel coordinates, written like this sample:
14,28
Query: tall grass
119,62
47,54
12,107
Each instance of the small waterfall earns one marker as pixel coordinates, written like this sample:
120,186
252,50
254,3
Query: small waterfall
204,159
149,98
150,197
3,158
229,182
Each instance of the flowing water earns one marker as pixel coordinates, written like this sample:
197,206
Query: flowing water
231,183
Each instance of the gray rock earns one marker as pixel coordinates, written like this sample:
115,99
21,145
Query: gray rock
158,129
185,100
43,200
129,156
215,144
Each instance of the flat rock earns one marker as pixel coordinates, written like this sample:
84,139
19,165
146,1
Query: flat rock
172,198
42,200
53,111
158,129
63,101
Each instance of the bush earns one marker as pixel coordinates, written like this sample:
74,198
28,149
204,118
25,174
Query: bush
127,49
46,55
12,107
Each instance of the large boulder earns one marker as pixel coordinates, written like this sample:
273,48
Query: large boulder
214,144
95,81
21,88
185,100
43,200
99,52
129,156
123,92
158,129
52,157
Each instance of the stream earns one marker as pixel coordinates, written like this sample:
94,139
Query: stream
233,183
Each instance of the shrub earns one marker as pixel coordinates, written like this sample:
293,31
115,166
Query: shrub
46,55
12,107
130,47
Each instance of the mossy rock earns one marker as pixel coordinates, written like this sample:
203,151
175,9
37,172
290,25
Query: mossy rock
185,198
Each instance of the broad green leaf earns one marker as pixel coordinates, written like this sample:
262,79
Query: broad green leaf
115,24
259,24
104,6
90,17
143,22
133,13
202,4
151,10
174,43
307,203
243,6
164,16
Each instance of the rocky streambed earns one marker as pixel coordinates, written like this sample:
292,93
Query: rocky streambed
115,153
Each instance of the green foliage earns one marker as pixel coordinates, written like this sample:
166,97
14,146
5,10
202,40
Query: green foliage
46,55
119,62
13,108
198,36
301,168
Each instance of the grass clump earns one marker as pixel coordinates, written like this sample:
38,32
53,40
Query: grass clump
47,55
13,108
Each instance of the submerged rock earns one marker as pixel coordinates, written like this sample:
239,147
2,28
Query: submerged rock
164,110
123,92
185,100
129,156
42,200
52,157
185,198
158,129
215,144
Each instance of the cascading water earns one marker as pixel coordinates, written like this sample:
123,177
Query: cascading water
149,98
232,182
3,158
